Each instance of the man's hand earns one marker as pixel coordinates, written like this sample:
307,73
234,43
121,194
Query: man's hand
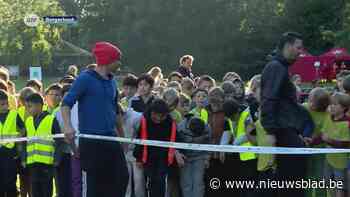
307,141
180,159
325,137
69,133
271,140
139,164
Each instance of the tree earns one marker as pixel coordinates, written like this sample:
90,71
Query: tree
25,45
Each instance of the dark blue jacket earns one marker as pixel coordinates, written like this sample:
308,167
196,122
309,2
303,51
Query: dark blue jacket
279,107
97,103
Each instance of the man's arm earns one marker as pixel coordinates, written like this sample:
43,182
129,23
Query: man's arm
120,128
69,131
78,89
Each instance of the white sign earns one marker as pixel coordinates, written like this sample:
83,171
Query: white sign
14,70
35,73
31,20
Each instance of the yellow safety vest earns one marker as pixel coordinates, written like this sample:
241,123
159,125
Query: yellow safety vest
230,125
40,150
241,131
51,111
45,107
9,129
203,114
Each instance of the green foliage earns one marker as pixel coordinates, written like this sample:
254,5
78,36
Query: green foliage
222,35
25,45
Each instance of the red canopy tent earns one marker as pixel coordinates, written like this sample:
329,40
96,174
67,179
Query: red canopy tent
305,67
331,62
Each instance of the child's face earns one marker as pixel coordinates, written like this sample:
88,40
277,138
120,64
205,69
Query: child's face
216,103
239,90
158,118
34,109
298,81
144,88
172,103
53,98
200,98
184,107
312,102
336,109
187,89
4,106
129,91
205,85
340,84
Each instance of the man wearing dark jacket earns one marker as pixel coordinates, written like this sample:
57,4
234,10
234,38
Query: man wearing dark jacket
281,117
185,68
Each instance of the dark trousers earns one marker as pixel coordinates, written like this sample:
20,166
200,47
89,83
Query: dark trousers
264,176
229,170
63,177
41,180
24,180
290,167
7,172
173,181
105,167
156,178
248,172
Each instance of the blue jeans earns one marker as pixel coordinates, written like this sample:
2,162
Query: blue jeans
192,178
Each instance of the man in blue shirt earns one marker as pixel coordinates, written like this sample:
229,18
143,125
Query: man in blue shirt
96,92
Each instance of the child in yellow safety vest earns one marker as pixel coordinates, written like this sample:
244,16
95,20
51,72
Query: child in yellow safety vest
11,126
242,123
184,105
317,105
335,134
40,150
23,114
63,180
53,98
200,98
266,164
23,94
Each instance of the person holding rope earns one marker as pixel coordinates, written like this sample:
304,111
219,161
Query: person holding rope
95,90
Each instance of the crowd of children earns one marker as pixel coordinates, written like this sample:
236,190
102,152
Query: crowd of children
176,109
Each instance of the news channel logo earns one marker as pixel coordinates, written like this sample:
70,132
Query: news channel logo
33,20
